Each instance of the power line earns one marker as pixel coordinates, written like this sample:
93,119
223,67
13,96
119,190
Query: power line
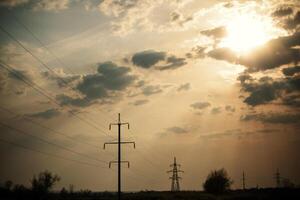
40,42
48,128
49,154
59,61
51,143
41,91
45,66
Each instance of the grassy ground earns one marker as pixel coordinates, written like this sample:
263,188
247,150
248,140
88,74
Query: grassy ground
260,194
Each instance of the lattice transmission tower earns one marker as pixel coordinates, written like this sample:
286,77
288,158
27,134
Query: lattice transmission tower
175,187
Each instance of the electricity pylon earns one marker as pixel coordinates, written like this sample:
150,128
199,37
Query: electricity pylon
175,187
277,178
119,142
244,181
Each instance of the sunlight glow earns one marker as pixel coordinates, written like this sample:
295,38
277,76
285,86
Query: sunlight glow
245,33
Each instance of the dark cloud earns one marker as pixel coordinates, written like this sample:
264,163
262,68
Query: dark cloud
148,58
178,18
12,3
263,91
216,110
292,22
110,78
282,12
200,105
291,71
266,89
216,33
292,100
140,102
197,52
47,114
177,130
230,108
19,75
184,87
273,118
61,80
79,102
173,62
223,54
151,89
273,54
238,133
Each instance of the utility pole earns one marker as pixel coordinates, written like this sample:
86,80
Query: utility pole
244,181
277,178
175,187
119,142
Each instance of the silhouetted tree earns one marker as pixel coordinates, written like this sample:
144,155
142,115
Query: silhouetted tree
42,183
287,183
8,185
217,182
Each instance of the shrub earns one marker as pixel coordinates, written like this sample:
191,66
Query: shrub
217,182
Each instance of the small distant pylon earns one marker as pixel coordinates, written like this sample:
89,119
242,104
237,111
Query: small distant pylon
244,181
175,187
277,178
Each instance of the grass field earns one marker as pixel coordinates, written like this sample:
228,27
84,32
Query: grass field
255,194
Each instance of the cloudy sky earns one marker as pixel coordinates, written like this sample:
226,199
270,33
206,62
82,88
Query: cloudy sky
214,83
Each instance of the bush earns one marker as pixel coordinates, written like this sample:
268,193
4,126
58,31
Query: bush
217,182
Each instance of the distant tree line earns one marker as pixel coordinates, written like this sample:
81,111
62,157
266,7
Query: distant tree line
217,182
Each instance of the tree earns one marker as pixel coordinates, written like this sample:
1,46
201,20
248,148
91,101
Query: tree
8,185
217,182
42,183
287,183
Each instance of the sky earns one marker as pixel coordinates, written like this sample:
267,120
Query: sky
213,83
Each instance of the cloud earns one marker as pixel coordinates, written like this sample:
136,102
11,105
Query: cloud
230,108
19,75
223,54
12,3
200,105
273,118
197,52
61,78
140,102
79,102
184,87
282,12
177,130
238,133
216,33
148,58
107,81
216,110
173,62
116,8
291,71
51,5
47,114
151,89
292,22
178,18
273,54
265,89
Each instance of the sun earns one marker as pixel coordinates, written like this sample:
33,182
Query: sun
245,33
